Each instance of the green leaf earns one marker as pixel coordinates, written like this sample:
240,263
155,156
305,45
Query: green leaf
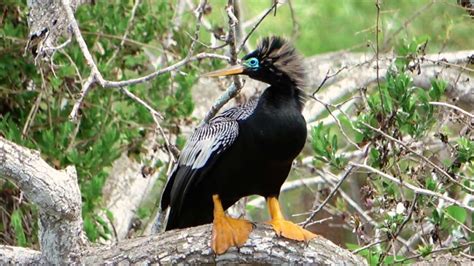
425,250
430,184
374,157
438,87
351,246
457,213
387,100
16,223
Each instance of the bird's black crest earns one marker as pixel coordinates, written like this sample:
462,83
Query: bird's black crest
277,53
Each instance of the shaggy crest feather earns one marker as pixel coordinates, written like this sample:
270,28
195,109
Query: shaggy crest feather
280,56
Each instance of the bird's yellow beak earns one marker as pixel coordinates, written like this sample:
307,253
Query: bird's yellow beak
233,70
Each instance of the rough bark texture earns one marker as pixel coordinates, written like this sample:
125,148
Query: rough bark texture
192,246
19,256
55,192
47,23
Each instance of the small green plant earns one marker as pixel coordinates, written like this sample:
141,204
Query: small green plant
325,146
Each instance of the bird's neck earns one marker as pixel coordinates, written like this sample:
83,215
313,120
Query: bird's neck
284,96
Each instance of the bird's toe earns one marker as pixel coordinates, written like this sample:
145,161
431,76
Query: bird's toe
291,230
228,232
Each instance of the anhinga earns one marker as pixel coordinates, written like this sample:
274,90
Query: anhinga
245,150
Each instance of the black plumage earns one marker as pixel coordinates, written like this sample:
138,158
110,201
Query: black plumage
247,149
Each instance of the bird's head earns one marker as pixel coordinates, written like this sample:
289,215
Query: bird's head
275,62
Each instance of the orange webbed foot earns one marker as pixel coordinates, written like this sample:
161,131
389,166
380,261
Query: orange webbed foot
226,231
291,230
229,232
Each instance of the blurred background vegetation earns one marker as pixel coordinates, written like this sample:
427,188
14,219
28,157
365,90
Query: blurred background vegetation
35,101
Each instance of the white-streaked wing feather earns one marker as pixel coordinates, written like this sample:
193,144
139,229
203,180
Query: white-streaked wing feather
202,149
208,140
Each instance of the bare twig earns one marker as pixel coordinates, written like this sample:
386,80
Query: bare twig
355,251
127,30
118,84
230,93
333,192
453,107
234,88
96,76
242,44
296,25
439,169
338,123
199,11
377,5
468,244
348,199
400,228
84,91
33,111
177,65
143,103
412,187
328,77
417,13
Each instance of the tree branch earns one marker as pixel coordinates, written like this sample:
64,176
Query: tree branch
57,195
415,189
191,246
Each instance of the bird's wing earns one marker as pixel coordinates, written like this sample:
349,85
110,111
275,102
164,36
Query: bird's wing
243,111
201,151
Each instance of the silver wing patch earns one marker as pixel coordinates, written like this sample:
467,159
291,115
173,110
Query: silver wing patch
207,140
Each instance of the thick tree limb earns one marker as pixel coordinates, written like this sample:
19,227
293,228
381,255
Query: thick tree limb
55,192
19,256
192,246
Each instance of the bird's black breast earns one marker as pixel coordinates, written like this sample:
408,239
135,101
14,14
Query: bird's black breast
262,155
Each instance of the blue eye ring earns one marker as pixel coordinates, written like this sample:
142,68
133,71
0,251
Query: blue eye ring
252,63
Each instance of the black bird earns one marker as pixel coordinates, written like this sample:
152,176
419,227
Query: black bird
246,150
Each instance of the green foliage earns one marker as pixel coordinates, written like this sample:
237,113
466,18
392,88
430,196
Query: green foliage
325,146
111,123
16,223
407,107
374,258
465,150
425,250
404,111
457,213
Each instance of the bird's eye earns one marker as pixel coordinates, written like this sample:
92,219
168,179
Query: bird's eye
252,62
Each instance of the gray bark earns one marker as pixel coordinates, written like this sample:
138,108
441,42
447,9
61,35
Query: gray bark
19,256
192,246
57,195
